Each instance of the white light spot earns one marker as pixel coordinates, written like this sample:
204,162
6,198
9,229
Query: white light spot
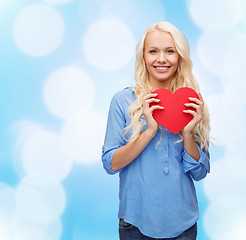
222,181
44,158
115,8
235,86
238,230
54,231
58,2
83,136
108,44
4,230
235,59
223,215
235,159
142,15
22,229
224,119
68,90
23,130
7,203
40,204
212,47
3,3
217,14
38,30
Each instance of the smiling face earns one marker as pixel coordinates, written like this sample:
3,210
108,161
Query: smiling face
161,58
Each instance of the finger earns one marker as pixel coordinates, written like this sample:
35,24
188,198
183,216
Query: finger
193,105
156,107
195,100
190,111
151,95
153,100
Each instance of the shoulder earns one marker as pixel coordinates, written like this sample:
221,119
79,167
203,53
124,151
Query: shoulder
125,95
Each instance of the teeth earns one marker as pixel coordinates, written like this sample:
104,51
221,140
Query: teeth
161,68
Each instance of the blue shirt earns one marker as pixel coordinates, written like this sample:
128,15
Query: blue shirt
157,192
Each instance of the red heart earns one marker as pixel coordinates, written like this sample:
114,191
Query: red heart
172,116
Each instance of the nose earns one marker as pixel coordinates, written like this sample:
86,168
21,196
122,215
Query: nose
162,58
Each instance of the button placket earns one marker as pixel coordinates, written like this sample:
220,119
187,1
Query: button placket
165,155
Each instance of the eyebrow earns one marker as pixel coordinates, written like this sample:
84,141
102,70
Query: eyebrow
165,48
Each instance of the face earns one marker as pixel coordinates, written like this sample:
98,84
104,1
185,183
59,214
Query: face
161,58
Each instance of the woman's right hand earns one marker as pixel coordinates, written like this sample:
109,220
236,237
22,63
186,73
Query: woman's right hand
152,124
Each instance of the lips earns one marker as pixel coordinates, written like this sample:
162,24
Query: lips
161,68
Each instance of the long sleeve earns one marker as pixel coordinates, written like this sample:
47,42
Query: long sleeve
114,133
197,169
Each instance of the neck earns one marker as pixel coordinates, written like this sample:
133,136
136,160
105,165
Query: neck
158,84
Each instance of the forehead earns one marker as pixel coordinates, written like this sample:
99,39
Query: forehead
159,39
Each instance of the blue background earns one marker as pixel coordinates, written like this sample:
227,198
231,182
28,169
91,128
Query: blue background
91,196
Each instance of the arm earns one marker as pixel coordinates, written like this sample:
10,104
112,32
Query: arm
126,154
195,160
116,153
190,146
189,141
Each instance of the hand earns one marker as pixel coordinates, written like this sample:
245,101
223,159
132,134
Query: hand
152,125
198,105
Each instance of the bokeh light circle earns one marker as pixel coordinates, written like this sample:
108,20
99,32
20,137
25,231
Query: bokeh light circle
223,118
58,2
108,44
43,157
235,159
23,130
219,14
38,29
24,229
83,135
211,48
223,215
68,90
7,203
223,180
235,60
40,204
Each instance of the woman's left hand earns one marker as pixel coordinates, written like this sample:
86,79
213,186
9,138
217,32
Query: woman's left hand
198,105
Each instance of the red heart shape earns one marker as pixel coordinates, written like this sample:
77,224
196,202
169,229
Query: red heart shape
172,116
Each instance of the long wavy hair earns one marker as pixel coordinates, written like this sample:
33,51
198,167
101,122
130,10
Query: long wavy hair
183,77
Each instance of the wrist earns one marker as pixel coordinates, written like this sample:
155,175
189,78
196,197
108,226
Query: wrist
150,132
187,135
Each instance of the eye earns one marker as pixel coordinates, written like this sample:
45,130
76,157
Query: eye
153,51
170,51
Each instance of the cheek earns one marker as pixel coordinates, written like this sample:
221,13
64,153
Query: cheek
174,60
149,60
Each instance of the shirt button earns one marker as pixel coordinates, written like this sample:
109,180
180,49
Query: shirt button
165,149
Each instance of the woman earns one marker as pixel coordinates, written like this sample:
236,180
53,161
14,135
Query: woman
156,167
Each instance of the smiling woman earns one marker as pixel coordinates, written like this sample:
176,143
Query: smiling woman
157,167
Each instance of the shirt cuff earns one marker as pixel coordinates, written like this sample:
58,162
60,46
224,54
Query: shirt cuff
190,163
107,157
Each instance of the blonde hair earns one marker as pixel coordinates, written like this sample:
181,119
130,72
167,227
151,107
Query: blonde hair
182,78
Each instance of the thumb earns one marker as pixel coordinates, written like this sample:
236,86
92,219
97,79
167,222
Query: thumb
150,90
